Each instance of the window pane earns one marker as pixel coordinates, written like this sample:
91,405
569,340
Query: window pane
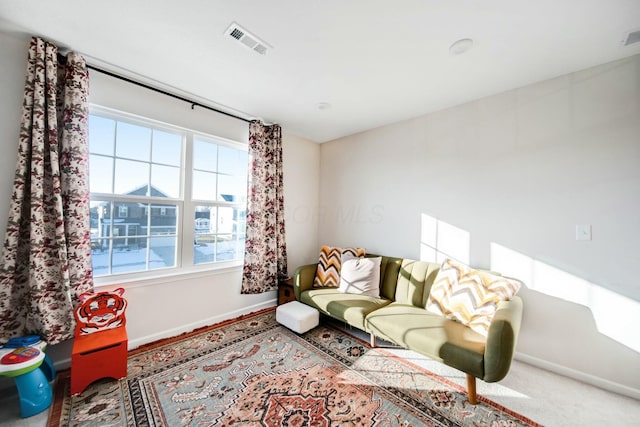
232,188
225,220
203,248
204,241
133,141
229,247
204,221
126,235
219,234
101,135
129,254
205,155
162,252
131,177
232,161
163,220
240,218
167,148
100,262
203,186
165,181
130,219
100,174
100,221
99,213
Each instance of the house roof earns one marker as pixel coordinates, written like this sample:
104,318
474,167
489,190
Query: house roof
143,189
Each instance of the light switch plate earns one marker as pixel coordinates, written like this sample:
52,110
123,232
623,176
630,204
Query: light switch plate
583,232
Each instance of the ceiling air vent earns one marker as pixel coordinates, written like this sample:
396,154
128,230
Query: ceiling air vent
247,39
631,37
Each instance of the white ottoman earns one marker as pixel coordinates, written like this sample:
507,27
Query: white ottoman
297,316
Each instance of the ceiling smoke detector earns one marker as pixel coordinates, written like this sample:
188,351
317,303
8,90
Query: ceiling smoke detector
460,46
247,39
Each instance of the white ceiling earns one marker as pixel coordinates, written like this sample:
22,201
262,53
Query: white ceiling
376,62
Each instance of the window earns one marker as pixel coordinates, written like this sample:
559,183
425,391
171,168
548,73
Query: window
219,192
163,197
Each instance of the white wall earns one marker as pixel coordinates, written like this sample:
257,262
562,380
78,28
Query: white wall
12,69
301,187
501,183
168,306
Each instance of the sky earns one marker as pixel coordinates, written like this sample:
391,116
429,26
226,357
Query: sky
126,156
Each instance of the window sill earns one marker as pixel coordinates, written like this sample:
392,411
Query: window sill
164,276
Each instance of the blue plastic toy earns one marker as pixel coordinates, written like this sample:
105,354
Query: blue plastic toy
24,360
21,341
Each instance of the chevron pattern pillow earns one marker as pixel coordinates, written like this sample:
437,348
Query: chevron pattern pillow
469,296
329,264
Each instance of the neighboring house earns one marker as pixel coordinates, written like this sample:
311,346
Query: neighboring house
222,220
130,220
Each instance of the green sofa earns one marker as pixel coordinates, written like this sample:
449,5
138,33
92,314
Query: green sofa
399,316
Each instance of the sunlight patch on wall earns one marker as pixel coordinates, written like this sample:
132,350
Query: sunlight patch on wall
615,315
440,240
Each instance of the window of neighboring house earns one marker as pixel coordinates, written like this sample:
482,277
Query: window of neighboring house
169,188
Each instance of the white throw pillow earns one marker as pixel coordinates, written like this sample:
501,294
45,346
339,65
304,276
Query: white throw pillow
469,296
361,276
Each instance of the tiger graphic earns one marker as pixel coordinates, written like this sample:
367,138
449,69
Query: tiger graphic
97,312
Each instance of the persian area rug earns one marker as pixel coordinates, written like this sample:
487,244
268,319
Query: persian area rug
254,372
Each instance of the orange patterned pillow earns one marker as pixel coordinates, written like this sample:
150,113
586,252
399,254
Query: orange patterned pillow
329,264
469,296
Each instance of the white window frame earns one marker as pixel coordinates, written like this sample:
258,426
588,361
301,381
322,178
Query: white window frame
185,204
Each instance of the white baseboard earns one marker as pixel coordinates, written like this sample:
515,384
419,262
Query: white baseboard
199,324
578,375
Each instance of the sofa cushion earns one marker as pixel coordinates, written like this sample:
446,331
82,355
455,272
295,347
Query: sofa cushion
329,264
430,334
469,296
414,281
349,308
360,276
389,270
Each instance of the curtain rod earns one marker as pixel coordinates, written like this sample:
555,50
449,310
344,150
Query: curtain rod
172,95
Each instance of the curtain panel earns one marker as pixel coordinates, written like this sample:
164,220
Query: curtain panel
265,258
46,257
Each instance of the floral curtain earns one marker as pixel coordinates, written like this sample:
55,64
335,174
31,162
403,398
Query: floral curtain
46,258
265,259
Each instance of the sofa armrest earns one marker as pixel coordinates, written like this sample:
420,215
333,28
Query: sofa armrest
502,339
303,279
